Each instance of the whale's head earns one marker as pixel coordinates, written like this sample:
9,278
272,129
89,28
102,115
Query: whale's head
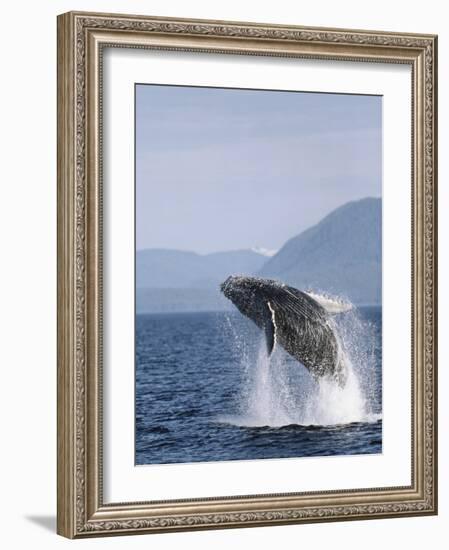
249,294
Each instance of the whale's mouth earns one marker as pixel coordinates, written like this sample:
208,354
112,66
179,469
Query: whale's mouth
233,285
225,285
228,288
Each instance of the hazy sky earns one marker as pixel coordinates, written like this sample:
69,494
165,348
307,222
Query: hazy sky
223,169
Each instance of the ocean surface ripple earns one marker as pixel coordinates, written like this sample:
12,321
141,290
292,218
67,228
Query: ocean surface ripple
206,391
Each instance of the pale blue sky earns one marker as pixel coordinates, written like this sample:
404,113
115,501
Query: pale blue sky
225,169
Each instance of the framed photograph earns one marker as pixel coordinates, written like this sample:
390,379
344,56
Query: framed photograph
246,274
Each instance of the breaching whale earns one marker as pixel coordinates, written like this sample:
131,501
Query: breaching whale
298,321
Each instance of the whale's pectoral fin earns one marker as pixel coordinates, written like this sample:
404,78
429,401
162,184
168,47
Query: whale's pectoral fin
270,336
270,329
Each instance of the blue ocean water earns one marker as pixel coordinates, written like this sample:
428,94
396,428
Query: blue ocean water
206,391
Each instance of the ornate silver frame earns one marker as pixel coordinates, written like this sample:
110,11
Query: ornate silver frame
81,38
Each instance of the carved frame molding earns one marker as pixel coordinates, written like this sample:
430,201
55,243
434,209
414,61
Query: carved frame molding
81,39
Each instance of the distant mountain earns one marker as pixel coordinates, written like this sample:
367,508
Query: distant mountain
264,251
161,268
340,255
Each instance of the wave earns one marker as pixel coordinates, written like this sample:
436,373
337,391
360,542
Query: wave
245,422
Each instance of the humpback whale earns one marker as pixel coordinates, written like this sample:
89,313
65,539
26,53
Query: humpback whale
298,321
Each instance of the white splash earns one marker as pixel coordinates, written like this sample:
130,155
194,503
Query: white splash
331,404
279,392
330,304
